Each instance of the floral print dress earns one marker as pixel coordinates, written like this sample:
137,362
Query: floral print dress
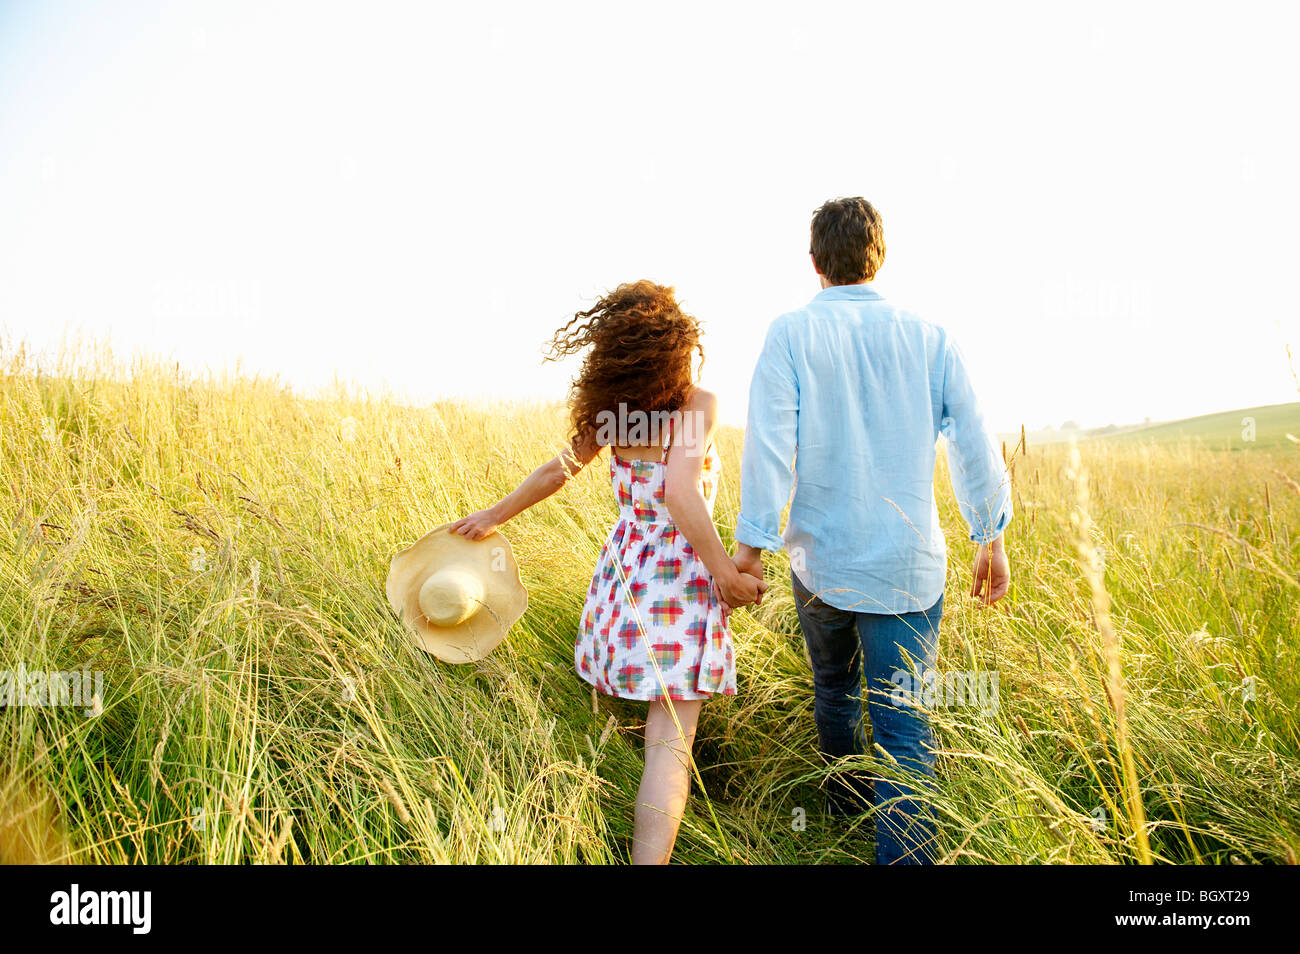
652,624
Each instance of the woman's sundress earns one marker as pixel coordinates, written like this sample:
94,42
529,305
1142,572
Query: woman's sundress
652,623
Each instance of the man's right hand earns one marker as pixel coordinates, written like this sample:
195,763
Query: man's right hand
991,575
749,560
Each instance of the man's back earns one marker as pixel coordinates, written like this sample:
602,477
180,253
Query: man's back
861,390
854,393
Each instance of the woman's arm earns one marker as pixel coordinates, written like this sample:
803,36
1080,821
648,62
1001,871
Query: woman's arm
536,487
688,508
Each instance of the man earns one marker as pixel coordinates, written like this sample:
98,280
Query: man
848,398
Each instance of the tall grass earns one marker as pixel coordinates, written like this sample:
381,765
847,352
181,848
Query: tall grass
217,547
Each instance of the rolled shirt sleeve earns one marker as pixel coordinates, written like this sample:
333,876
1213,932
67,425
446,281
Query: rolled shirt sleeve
979,476
767,468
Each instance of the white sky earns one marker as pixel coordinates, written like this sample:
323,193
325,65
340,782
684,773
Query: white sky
1100,204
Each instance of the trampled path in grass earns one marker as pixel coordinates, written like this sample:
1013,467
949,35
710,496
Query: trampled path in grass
217,549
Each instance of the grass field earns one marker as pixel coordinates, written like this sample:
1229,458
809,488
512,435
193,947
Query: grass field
218,548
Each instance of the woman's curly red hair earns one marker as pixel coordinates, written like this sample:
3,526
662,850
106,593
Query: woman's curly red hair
642,350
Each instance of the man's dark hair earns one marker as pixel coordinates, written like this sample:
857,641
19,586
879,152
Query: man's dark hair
848,241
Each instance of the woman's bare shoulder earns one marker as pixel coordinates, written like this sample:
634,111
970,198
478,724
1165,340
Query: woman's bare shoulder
702,401
700,416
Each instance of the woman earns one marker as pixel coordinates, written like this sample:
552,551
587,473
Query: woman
654,625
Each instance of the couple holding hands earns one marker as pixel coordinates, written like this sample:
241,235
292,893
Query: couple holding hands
848,398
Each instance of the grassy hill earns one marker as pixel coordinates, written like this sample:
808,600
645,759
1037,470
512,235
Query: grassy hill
1229,430
217,550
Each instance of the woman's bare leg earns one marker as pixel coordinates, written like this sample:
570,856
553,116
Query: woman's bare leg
666,782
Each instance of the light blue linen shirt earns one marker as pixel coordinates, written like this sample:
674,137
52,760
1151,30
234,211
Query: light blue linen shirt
848,399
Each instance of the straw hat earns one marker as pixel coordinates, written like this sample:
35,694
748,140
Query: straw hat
460,597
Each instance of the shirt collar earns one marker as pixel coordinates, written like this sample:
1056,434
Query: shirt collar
863,292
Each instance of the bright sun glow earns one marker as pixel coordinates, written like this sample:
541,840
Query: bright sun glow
1099,204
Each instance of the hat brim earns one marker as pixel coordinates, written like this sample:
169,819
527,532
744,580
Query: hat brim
504,599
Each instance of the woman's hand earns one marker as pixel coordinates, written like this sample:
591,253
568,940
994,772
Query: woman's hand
476,526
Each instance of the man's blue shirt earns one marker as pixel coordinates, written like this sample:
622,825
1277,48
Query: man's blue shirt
848,399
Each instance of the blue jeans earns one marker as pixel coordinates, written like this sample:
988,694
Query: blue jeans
838,643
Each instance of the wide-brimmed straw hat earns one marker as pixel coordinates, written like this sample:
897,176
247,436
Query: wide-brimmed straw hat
459,597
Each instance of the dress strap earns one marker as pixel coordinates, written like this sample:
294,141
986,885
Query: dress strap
668,440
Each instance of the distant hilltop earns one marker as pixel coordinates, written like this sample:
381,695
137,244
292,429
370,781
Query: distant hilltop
1270,427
